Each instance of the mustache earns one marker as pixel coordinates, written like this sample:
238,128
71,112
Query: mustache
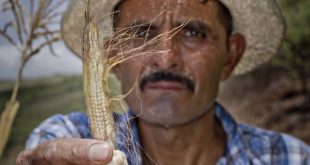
167,76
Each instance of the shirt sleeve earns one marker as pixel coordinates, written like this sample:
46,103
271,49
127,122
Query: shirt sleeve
298,151
73,125
270,147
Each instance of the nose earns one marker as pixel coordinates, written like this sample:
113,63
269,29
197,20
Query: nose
168,55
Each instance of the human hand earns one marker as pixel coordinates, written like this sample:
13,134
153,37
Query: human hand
72,152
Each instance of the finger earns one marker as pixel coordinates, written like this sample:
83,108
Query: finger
23,158
119,158
71,151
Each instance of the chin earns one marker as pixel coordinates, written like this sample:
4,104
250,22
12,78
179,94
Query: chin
166,114
172,114
163,121
167,109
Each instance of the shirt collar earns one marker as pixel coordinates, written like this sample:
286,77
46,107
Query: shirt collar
236,149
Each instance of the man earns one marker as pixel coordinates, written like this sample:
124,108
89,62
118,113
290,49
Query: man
174,117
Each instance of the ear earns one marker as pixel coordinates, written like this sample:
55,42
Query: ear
236,48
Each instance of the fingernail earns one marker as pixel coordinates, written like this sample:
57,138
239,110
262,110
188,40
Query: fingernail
99,152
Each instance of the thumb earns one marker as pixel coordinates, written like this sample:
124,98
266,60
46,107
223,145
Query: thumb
100,152
75,151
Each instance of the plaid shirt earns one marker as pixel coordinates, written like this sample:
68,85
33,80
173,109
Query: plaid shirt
246,145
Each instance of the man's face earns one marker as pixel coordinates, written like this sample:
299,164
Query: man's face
175,79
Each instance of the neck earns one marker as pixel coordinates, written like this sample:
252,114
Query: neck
199,142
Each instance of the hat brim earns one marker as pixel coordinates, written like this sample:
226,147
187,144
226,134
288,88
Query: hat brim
259,21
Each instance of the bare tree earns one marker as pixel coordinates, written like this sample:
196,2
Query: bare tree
34,24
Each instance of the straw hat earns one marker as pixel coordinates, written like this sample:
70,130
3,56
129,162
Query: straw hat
260,21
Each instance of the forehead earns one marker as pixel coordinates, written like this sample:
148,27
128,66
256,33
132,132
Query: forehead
180,10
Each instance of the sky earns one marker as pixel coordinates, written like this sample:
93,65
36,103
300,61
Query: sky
43,64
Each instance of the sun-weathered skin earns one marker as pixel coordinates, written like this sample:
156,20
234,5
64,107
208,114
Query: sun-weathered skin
95,76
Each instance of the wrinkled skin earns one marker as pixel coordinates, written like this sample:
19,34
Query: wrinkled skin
204,55
67,152
201,54
171,117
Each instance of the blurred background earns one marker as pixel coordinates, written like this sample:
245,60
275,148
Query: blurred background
274,96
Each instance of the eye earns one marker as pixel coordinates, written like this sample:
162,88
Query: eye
194,33
143,34
195,30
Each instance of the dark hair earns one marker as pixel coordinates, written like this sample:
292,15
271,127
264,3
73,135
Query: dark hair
224,15
116,13
226,18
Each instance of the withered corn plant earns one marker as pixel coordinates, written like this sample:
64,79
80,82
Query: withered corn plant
33,25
